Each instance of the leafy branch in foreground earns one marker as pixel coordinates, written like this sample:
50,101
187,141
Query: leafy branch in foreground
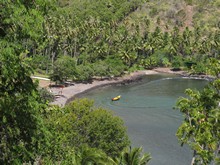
21,125
201,126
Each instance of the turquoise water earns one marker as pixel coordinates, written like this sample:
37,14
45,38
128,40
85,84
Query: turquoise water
147,110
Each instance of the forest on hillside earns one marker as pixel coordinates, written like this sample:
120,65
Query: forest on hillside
79,39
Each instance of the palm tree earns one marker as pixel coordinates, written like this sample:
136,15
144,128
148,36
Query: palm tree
92,156
133,157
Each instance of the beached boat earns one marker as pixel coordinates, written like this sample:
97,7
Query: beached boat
116,98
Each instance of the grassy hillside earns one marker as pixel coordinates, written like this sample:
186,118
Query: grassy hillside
165,14
189,13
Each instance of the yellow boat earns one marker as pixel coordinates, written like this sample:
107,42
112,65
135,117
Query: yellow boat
116,98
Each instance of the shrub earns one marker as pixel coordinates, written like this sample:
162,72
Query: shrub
177,62
64,68
80,123
199,68
45,95
83,73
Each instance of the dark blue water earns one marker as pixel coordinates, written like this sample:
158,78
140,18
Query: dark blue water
147,110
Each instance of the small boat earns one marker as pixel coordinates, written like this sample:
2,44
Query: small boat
116,98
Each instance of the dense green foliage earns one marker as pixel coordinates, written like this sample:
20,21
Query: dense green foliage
81,133
45,95
106,38
134,157
64,67
200,129
122,32
80,39
80,123
21,128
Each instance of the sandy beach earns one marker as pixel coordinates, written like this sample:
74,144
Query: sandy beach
64,95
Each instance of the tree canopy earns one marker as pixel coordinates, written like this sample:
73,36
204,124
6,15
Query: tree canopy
81,123
92,32
22,130
200,128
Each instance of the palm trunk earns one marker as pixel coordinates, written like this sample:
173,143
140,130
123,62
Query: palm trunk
194,157
74,54
52,59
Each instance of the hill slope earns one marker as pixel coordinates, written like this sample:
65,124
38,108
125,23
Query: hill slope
169,13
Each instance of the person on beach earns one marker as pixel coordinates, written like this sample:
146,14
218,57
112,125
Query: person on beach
61,90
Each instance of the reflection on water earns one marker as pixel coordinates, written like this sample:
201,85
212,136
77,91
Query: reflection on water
147,110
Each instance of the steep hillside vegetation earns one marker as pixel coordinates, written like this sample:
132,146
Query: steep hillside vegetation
141,34
188,13
79,39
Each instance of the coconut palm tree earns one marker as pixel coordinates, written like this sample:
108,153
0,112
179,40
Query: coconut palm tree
92,156
134,157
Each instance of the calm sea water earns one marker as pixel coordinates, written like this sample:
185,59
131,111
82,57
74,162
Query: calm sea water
147,110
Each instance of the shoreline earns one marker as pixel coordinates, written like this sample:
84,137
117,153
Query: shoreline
68,94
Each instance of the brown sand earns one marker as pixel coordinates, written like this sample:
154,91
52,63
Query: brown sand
66,94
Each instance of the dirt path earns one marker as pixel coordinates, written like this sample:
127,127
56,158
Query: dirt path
43,82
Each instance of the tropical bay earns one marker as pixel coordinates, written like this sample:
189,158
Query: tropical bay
109,82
